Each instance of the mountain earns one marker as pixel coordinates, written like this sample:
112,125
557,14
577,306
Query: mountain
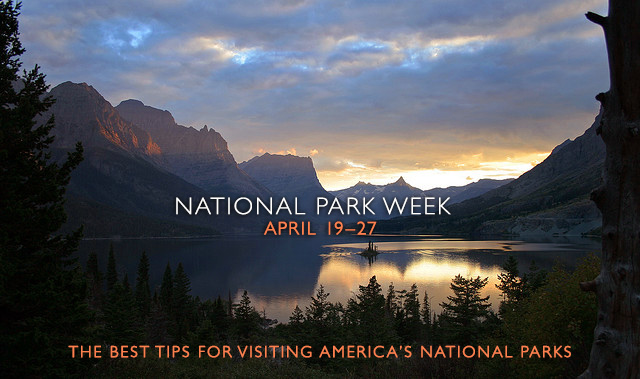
288,176
82,114
114,193
120,187
201,157
469,191
400,189
285,175
551,198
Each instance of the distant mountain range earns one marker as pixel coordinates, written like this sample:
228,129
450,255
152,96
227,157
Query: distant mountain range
551,198
469,191
401,189
138,159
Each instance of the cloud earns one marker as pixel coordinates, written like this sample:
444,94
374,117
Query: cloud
391,85
291,151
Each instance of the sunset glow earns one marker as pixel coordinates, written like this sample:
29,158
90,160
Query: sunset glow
373,91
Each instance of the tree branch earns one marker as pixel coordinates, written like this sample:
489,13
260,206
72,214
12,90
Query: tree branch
597,19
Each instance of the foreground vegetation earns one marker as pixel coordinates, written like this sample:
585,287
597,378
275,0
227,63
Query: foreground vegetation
536,309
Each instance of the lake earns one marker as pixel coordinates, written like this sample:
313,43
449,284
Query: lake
280,273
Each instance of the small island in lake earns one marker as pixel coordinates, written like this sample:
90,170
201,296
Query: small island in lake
370,251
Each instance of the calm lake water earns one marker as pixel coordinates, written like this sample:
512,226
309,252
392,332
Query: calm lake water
280,273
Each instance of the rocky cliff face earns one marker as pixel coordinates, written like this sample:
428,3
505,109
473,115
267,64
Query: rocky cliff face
128,182
291,177
200,157
82,114
285,175
171,137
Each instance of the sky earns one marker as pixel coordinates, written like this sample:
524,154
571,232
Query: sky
441,92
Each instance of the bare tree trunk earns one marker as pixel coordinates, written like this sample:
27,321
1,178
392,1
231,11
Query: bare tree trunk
616,348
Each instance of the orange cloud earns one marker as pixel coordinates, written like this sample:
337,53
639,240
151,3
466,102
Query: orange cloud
291,151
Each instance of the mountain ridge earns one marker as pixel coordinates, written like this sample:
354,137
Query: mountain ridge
563,181
98,124
124,179
401,189
201,157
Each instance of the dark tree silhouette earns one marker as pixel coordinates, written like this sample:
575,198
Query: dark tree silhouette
318,310
42,293
463,315
511,284
122,325
409,327
426,311
220,319
297,317
391,302
143,292
247,320
94,281
182,303
616,348
112,274
534,279
166,290
368,310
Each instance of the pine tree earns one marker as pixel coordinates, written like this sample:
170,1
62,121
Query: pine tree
246,320
157,324
42,292
143,292
112,274
534,279
297,317
204,334
220,319
463,315
426,310
297,326
122,325
411,325
426,317
182,303
335,315
411,303
391,306
372,325
125,283
94,281
166,291
318,310
511,285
